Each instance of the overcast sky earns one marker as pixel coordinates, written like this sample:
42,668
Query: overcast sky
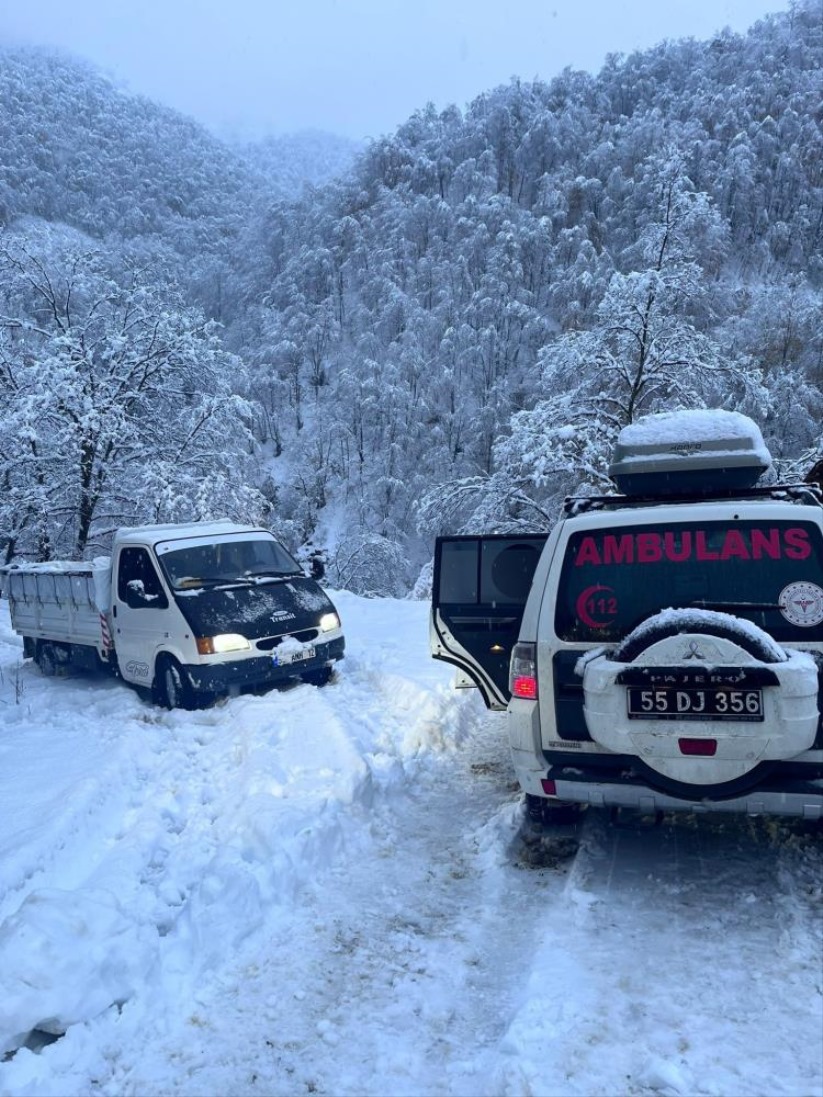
353,67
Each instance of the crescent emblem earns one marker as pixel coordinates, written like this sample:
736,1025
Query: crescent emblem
582,608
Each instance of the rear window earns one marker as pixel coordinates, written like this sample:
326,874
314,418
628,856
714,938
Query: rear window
770,573
487,571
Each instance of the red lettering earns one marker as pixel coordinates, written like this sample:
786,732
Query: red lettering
677,556
734,545
679,546
768,543
797,544
618,550
587,553
702,551
648,548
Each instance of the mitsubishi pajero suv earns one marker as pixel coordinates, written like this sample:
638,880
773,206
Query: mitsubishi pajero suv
661,648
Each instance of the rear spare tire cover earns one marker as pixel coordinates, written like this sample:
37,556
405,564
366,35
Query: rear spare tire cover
701,698
678,622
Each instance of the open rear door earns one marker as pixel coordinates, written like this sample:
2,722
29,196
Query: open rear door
479,593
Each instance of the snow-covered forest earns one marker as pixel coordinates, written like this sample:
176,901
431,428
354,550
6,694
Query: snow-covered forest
446,335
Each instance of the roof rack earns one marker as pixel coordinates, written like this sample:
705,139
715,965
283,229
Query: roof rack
803,494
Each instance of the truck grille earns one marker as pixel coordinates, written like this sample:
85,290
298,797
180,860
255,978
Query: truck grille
269,643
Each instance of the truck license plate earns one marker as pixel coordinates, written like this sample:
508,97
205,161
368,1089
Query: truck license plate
286,657
691,703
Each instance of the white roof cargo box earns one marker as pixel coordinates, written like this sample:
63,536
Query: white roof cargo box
689,453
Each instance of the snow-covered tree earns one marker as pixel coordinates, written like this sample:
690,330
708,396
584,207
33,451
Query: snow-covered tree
466,316
117,400
644,353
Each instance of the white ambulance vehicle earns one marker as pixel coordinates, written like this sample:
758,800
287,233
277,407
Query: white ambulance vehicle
661,648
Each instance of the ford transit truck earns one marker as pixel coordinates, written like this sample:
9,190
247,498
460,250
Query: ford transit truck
188,612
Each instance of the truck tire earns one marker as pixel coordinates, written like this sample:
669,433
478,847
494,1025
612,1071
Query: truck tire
172,684
47,661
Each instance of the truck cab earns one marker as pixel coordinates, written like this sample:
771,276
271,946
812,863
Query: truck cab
200,611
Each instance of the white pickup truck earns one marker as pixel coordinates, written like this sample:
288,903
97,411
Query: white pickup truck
189,611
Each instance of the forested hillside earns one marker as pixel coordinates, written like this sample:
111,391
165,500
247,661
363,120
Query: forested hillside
308,157
446,337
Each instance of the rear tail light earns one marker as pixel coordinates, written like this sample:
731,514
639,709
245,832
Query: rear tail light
523,672
549,786
701,748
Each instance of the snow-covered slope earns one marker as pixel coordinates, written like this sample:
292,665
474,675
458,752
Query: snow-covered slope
332,891
307,158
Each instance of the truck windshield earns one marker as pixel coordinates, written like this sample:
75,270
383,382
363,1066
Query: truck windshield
239,560
770,573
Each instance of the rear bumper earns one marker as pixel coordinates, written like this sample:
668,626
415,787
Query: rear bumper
776,797
260,671
758,802
587,776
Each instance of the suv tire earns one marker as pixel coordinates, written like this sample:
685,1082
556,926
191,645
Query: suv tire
716,665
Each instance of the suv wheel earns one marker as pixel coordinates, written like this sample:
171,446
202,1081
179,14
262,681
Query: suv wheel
751,639
544,812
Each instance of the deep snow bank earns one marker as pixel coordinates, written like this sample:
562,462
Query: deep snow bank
139,847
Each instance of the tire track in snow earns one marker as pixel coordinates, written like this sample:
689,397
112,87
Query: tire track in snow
95,779
701,938
402,968
345,909
429,961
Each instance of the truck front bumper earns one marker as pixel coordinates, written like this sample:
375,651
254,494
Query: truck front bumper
260,670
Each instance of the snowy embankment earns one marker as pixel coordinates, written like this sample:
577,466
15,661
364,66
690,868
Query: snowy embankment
330,890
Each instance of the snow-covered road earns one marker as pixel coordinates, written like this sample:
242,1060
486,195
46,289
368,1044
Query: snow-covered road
332,891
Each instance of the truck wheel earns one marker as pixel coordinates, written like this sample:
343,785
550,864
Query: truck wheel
173,687
48,660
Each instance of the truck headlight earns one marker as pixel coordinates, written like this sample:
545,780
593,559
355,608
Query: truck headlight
329,621
219,645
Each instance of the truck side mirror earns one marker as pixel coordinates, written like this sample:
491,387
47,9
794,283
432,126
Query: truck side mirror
137,597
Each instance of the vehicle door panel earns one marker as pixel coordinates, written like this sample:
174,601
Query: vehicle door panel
479,592
140,608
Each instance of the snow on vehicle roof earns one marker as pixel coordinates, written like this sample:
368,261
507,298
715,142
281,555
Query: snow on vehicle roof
63,567
152,533
692,427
